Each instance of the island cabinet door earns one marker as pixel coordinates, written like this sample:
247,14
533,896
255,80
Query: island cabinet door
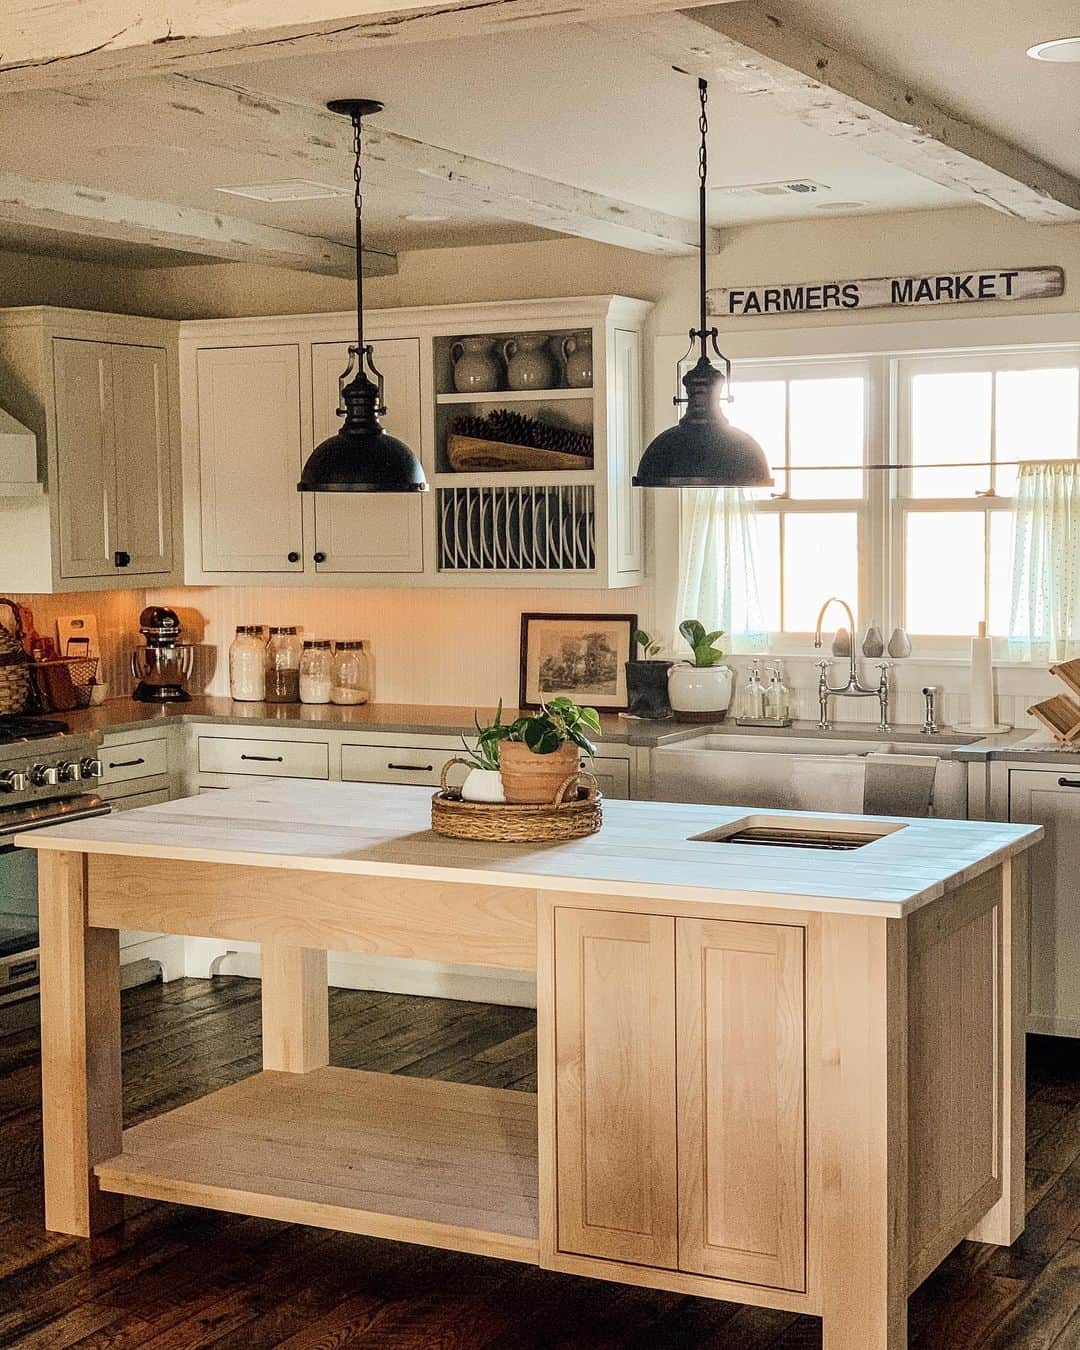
741,1101
615,1086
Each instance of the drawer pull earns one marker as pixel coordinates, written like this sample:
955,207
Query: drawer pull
125,763
266,759
1069,782
413,768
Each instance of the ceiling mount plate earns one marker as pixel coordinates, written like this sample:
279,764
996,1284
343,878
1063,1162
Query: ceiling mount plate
354,107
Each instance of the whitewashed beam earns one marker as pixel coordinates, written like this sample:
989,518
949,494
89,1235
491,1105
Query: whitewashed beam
112,215
306,141
756,54
45,44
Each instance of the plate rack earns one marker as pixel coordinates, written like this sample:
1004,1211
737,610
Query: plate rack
516,529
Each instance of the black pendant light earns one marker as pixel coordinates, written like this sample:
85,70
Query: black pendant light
361,457
704,449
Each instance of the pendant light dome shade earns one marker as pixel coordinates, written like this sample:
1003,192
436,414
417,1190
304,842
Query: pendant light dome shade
362,456
704,449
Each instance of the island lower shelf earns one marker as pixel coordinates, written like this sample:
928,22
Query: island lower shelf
442,1164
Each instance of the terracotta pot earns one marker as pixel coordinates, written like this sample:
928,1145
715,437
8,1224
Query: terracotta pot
528,777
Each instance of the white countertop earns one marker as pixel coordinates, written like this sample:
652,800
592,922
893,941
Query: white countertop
642,851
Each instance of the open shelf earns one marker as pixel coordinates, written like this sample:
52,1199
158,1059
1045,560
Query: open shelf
441,1164
516,396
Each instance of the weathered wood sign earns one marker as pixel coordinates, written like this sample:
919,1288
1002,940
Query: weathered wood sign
931,288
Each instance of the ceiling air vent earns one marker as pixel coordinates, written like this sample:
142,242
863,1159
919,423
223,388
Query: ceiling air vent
793,187
290,190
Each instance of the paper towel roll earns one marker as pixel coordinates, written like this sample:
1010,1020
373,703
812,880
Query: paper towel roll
982,683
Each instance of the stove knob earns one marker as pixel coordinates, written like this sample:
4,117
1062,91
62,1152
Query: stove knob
12,781
44,775
90,768
70,770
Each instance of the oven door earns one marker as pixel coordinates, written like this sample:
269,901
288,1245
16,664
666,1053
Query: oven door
19,892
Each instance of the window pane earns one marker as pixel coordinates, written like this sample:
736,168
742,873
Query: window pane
759,408
1001,523
768,565
945,560
821,558
1036,418
828,426
950,423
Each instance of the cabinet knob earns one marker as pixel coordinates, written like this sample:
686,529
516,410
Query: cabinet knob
121,559
294,556
319,557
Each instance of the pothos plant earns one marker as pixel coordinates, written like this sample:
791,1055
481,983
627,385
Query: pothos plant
701,643
557,722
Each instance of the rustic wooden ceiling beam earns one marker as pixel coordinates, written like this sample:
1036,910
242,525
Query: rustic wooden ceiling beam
48,45
745,48
113,215
306,141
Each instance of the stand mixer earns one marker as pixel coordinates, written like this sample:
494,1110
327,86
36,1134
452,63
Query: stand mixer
163,664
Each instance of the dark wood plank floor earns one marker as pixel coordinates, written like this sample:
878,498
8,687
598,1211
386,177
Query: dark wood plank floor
176,1279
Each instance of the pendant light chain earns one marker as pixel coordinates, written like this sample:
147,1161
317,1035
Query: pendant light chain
358,208
703,180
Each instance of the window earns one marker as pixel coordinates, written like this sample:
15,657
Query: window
926,544
812,423
962,423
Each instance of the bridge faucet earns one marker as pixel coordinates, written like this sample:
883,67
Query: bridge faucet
853,688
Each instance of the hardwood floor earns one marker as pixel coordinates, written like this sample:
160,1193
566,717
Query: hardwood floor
177,1279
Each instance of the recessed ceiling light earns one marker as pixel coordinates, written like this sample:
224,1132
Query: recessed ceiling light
1060,49
290,190
424,217
839,206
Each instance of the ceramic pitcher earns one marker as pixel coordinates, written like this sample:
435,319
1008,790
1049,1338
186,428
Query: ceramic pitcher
476,370
529,364
577,358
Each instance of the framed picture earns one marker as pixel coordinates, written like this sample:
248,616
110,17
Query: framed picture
580,655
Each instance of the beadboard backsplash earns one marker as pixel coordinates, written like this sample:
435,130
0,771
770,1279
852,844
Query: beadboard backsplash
118,627
430,646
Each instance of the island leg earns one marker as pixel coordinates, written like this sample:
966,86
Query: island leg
295,1015
1005,1222
862,1108
81,1106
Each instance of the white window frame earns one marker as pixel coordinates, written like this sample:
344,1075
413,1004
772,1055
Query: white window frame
1039,337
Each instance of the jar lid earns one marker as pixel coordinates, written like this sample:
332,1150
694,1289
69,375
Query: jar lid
254,628
351,645
279,629
321,644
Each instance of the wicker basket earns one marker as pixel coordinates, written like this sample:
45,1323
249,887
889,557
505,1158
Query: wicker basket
576,812
14,665
65,683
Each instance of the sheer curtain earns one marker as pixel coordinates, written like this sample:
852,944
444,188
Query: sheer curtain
718,573
1044,623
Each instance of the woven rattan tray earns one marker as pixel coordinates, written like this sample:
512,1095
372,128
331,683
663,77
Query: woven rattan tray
576,812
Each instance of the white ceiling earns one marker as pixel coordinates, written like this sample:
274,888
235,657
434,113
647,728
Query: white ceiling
580,105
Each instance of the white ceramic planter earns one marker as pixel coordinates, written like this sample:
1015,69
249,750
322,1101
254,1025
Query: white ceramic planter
700,693
483,785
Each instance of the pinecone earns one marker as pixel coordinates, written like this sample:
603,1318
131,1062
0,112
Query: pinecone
515,428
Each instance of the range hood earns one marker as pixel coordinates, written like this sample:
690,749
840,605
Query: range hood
18,459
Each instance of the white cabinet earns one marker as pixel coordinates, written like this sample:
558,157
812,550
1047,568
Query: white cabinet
369,531
1051,798
98,393
250,458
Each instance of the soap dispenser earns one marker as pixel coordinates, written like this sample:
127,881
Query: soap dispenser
752,699
778,697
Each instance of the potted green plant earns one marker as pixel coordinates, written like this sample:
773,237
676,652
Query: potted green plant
700,689
647,680
483,782
543,749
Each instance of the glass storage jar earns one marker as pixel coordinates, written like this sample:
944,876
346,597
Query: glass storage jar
349,674
283,653
315,671
247,664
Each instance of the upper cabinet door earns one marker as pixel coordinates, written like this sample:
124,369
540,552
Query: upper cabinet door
250,458
742,1183
143,460
615,1086
86,464
369,531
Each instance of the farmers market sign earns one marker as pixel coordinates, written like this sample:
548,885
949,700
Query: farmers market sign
931,288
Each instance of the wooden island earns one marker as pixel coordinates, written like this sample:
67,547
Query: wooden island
769,1071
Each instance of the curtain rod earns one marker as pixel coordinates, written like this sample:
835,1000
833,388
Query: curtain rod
956,464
